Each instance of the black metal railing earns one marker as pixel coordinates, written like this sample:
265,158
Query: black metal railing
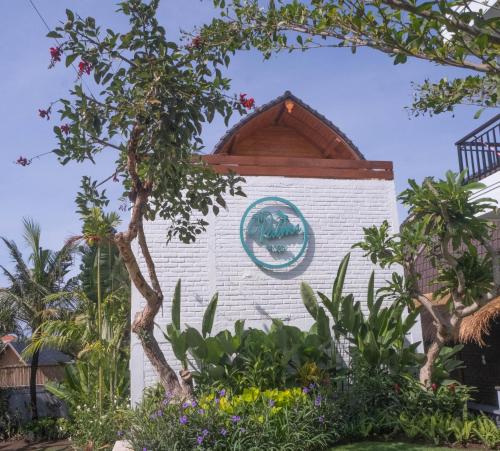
479,151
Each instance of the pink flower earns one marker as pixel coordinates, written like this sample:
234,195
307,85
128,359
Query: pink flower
84,67
65,129
23,161
55,55
196,43
248,103
44,113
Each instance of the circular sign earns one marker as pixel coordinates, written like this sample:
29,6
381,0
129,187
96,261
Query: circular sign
273,233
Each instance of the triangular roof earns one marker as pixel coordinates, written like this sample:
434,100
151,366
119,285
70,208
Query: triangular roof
48,356
287,126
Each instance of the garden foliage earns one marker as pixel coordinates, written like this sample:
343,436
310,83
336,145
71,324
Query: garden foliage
254,420
283,356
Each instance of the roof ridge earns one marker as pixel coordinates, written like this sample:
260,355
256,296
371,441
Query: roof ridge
287,94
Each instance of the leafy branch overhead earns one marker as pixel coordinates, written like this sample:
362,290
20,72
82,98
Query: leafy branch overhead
451,33
154,95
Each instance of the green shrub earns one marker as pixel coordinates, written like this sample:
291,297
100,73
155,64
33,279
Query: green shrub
101,431
253,420
45,429
284,356
486,431
8,424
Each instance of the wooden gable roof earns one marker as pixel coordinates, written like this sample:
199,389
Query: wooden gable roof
286,137
287,126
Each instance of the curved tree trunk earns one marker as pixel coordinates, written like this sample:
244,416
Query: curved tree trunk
432,355
33,397
143,324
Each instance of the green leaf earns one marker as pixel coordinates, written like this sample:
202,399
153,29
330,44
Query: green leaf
208,317
338,285
70,59
323,325
328,304
54,34
371,291
176,306
309,299
478,113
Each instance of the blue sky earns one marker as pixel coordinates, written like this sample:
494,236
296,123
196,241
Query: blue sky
363,94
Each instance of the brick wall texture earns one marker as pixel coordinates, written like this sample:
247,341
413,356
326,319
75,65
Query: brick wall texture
336,211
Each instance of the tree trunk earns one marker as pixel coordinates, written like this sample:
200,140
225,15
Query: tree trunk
432,355
166,374
143,324
34,368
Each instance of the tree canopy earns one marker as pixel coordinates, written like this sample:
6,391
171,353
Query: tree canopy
452,33
154,97
447,227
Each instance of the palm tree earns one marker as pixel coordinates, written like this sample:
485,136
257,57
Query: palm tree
96,332
31,284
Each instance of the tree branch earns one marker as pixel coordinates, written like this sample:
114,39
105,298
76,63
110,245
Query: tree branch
359,41
451,21
149,261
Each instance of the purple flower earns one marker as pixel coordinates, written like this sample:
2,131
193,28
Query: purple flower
199,439
312,386
204,432
222,393
321,419
144,449
194,403
235,418
119,433
305,390
159,413
317,401
165,401
183,419
217,401
201,411
223,432
185,405
271,403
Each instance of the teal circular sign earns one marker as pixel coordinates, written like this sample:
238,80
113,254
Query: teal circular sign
274,233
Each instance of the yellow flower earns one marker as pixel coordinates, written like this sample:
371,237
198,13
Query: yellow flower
225,405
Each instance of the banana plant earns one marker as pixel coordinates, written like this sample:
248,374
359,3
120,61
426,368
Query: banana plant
277,357
378,337
190,339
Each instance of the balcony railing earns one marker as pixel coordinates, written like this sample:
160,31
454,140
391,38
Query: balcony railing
479,151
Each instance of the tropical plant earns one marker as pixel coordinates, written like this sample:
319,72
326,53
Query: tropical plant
380,337
445,224
155,96
487,431
91,430
8,323
35,287
255,419
280,357
95,332
460,34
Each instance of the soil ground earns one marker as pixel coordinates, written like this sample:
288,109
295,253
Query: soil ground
23,445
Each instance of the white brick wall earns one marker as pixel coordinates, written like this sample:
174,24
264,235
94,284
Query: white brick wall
336,211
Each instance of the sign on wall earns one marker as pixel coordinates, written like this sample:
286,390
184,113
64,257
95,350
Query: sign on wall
274,233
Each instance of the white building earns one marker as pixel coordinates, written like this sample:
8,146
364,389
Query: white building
327,192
